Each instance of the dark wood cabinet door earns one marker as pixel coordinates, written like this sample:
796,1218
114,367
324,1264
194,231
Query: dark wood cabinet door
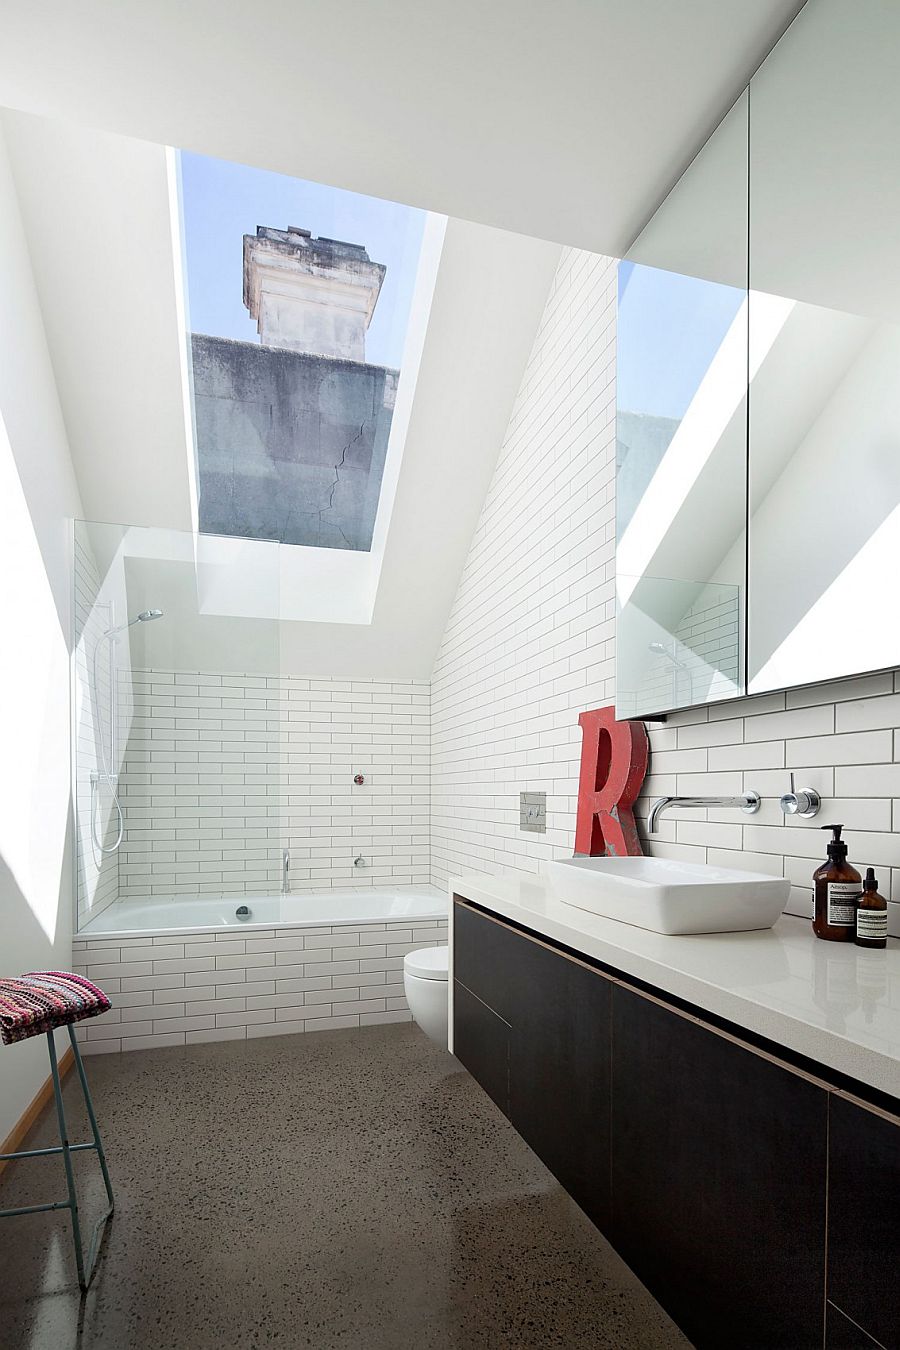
558,1015
718,1169
481,1043
843,1334
483,958
864,1220
559,1070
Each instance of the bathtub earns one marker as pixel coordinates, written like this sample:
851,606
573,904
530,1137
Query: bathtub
184,970
203,913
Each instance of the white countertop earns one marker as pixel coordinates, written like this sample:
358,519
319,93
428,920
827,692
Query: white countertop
834,1002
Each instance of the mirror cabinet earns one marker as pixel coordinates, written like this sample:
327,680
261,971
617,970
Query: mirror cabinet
758,386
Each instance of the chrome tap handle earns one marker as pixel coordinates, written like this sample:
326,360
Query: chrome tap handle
804,803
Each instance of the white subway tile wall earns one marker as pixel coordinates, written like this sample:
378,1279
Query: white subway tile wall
230,985
223,772
530,644
756,743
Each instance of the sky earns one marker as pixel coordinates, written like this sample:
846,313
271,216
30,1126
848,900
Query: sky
661,315
221,202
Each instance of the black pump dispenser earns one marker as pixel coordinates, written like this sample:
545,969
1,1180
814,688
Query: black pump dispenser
838,888
837,849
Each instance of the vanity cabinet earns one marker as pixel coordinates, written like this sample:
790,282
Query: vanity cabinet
718,1179
863,1222
711,1165
560,1069
482,1044
555,1018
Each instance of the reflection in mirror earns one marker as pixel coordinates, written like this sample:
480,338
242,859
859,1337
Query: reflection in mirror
681,439
824,540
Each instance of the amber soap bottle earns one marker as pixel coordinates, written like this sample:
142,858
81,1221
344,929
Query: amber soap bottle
871,914
838,887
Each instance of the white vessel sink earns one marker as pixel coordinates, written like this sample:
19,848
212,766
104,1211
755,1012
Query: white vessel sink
669,897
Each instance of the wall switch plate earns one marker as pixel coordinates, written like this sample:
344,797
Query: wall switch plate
533,812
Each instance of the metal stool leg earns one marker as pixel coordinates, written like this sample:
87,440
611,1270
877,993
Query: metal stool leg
95,1130
67,1161
85,1268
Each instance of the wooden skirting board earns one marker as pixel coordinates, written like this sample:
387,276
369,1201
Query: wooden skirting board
16,1136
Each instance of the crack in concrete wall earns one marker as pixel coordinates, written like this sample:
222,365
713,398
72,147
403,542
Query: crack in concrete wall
290,446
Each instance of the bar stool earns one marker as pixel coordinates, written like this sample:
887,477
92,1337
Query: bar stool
34,1005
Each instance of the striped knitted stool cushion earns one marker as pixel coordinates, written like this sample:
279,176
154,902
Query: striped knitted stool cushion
43,999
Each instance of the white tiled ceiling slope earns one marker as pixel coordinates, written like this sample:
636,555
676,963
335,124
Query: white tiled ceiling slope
530,643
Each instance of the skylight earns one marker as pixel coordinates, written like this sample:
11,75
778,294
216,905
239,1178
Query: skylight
299,301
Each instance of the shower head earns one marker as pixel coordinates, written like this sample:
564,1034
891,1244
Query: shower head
145,616
659,649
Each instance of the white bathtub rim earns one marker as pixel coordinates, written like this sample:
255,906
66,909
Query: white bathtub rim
440,912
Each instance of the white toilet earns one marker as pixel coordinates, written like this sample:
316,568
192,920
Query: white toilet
425,983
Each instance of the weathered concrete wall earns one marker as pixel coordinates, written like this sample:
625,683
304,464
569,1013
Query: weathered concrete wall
290,446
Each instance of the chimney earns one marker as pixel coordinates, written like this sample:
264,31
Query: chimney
310,295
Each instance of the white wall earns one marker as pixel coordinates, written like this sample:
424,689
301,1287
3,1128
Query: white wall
37,494
530,644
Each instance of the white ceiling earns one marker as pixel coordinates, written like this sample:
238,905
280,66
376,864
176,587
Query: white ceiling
567,121
817,139
95,208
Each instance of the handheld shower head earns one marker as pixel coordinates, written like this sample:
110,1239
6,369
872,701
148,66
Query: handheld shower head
145,616
107,746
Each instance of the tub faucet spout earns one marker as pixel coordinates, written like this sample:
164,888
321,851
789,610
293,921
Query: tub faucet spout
286,872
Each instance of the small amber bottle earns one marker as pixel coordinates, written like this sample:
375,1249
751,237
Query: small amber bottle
838,887
871,914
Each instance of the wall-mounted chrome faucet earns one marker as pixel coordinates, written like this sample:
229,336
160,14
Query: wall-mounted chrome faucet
749,803
286,872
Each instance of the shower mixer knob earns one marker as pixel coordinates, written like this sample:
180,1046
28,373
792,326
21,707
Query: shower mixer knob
804,803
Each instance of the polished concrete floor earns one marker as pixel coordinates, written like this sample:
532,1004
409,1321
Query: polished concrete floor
342,1189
